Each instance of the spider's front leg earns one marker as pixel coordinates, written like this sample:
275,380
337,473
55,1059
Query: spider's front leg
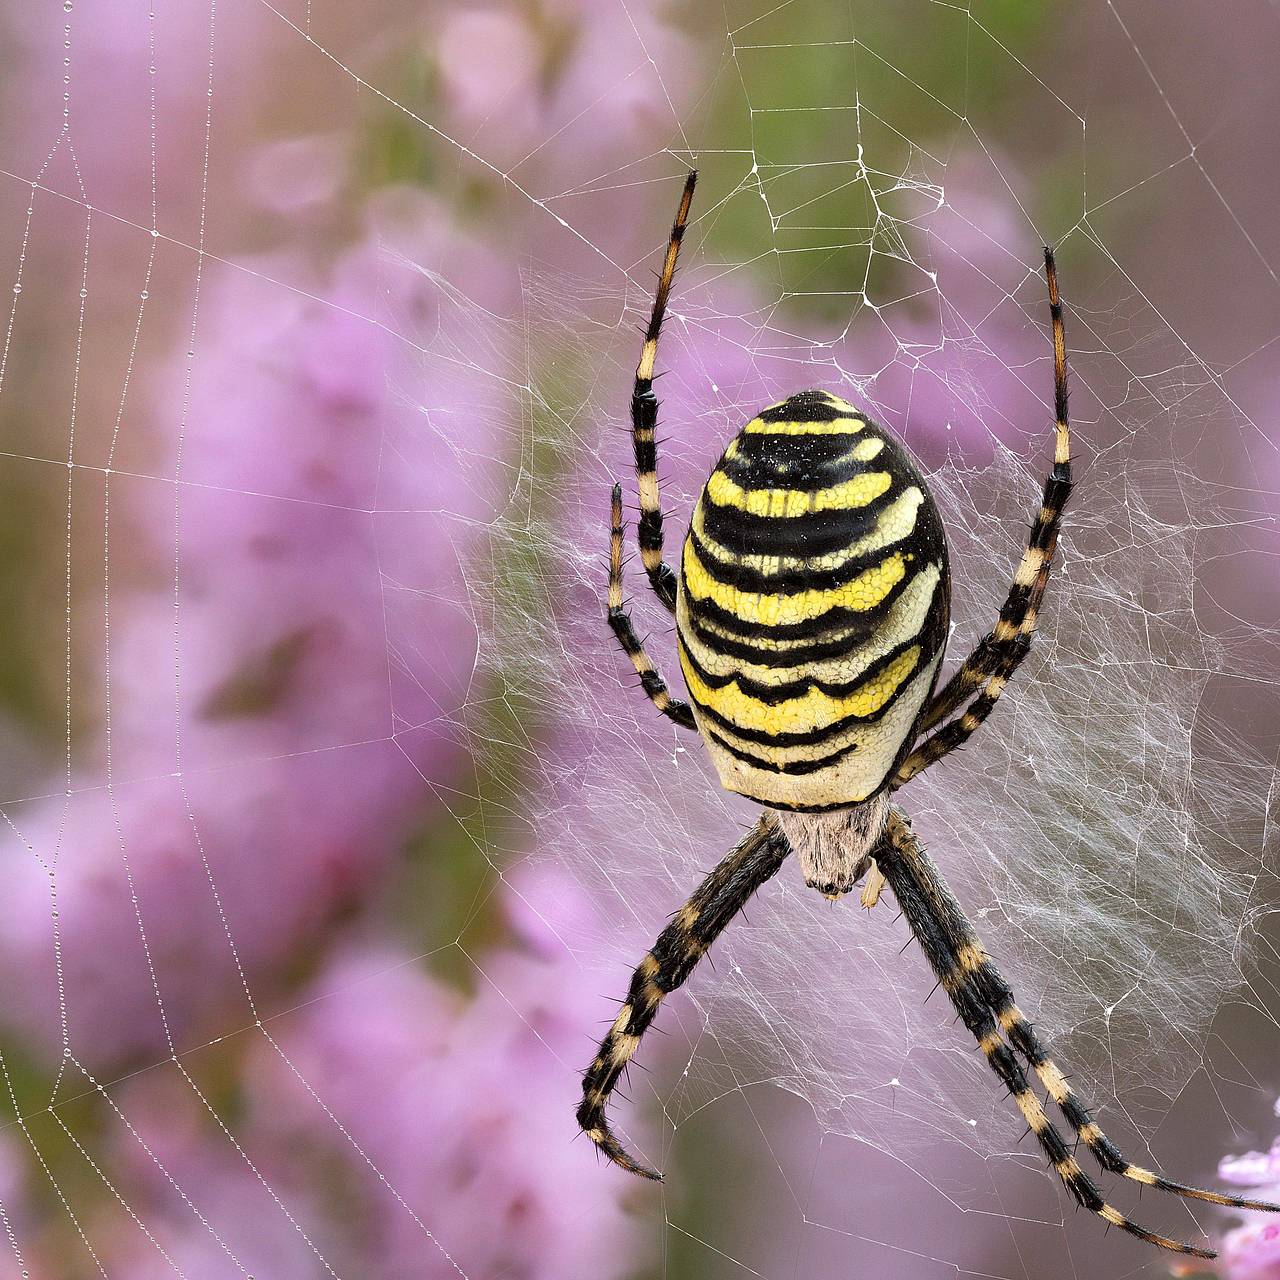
666,965
651,680
985,1003
987,670
644,418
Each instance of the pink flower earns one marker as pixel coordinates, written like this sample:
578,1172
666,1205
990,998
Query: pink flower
550,100
118,62
442,1126
1252,1251
323,650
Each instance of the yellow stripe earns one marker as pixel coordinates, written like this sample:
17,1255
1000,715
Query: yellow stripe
897,521
868,749
1031,1110
864,592
1028,566
797,502
644,370
969,958
812,710
837,427
904,621
838,403
1054,1081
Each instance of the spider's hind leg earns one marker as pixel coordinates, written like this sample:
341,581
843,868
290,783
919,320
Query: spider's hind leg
1022,1036
985,1004
665,966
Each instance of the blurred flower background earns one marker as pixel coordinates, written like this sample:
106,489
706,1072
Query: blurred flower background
311,389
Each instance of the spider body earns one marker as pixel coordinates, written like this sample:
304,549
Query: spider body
811,613
812,608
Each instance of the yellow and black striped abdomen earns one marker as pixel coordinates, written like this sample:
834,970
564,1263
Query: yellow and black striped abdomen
813,605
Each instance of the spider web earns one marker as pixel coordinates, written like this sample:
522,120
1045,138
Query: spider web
331,815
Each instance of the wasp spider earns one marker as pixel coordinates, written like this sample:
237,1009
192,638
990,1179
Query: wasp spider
811,611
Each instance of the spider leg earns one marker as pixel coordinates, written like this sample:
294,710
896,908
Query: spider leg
955,732
651,680
989,667
1022,1036
644,419
971,980
666,965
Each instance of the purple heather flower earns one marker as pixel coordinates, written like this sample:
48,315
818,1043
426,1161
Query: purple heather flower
324,650
442,1125
115,58
1252,1251
296,175
563,95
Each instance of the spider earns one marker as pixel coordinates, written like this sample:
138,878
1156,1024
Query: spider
811,609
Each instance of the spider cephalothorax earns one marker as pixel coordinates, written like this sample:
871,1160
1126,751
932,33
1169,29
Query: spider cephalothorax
812,608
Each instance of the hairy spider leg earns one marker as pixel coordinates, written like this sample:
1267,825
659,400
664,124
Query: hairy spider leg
985,1004
989,667
666,965
644,419
651,680
1022,1036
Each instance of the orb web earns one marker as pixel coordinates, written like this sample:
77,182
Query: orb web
312,412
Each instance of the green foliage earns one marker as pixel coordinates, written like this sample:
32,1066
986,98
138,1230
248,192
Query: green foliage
880,92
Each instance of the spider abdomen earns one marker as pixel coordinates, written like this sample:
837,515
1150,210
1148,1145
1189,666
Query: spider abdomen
813,605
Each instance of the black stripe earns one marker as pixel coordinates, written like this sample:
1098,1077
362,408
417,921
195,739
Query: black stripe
790,582
1056,493
754,460
644,404
861,623
1014,609
646,451
798,476
752,651
769,766
840,641
810,462
815,533
765,448
649,531
1057,489
813,405
772,694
